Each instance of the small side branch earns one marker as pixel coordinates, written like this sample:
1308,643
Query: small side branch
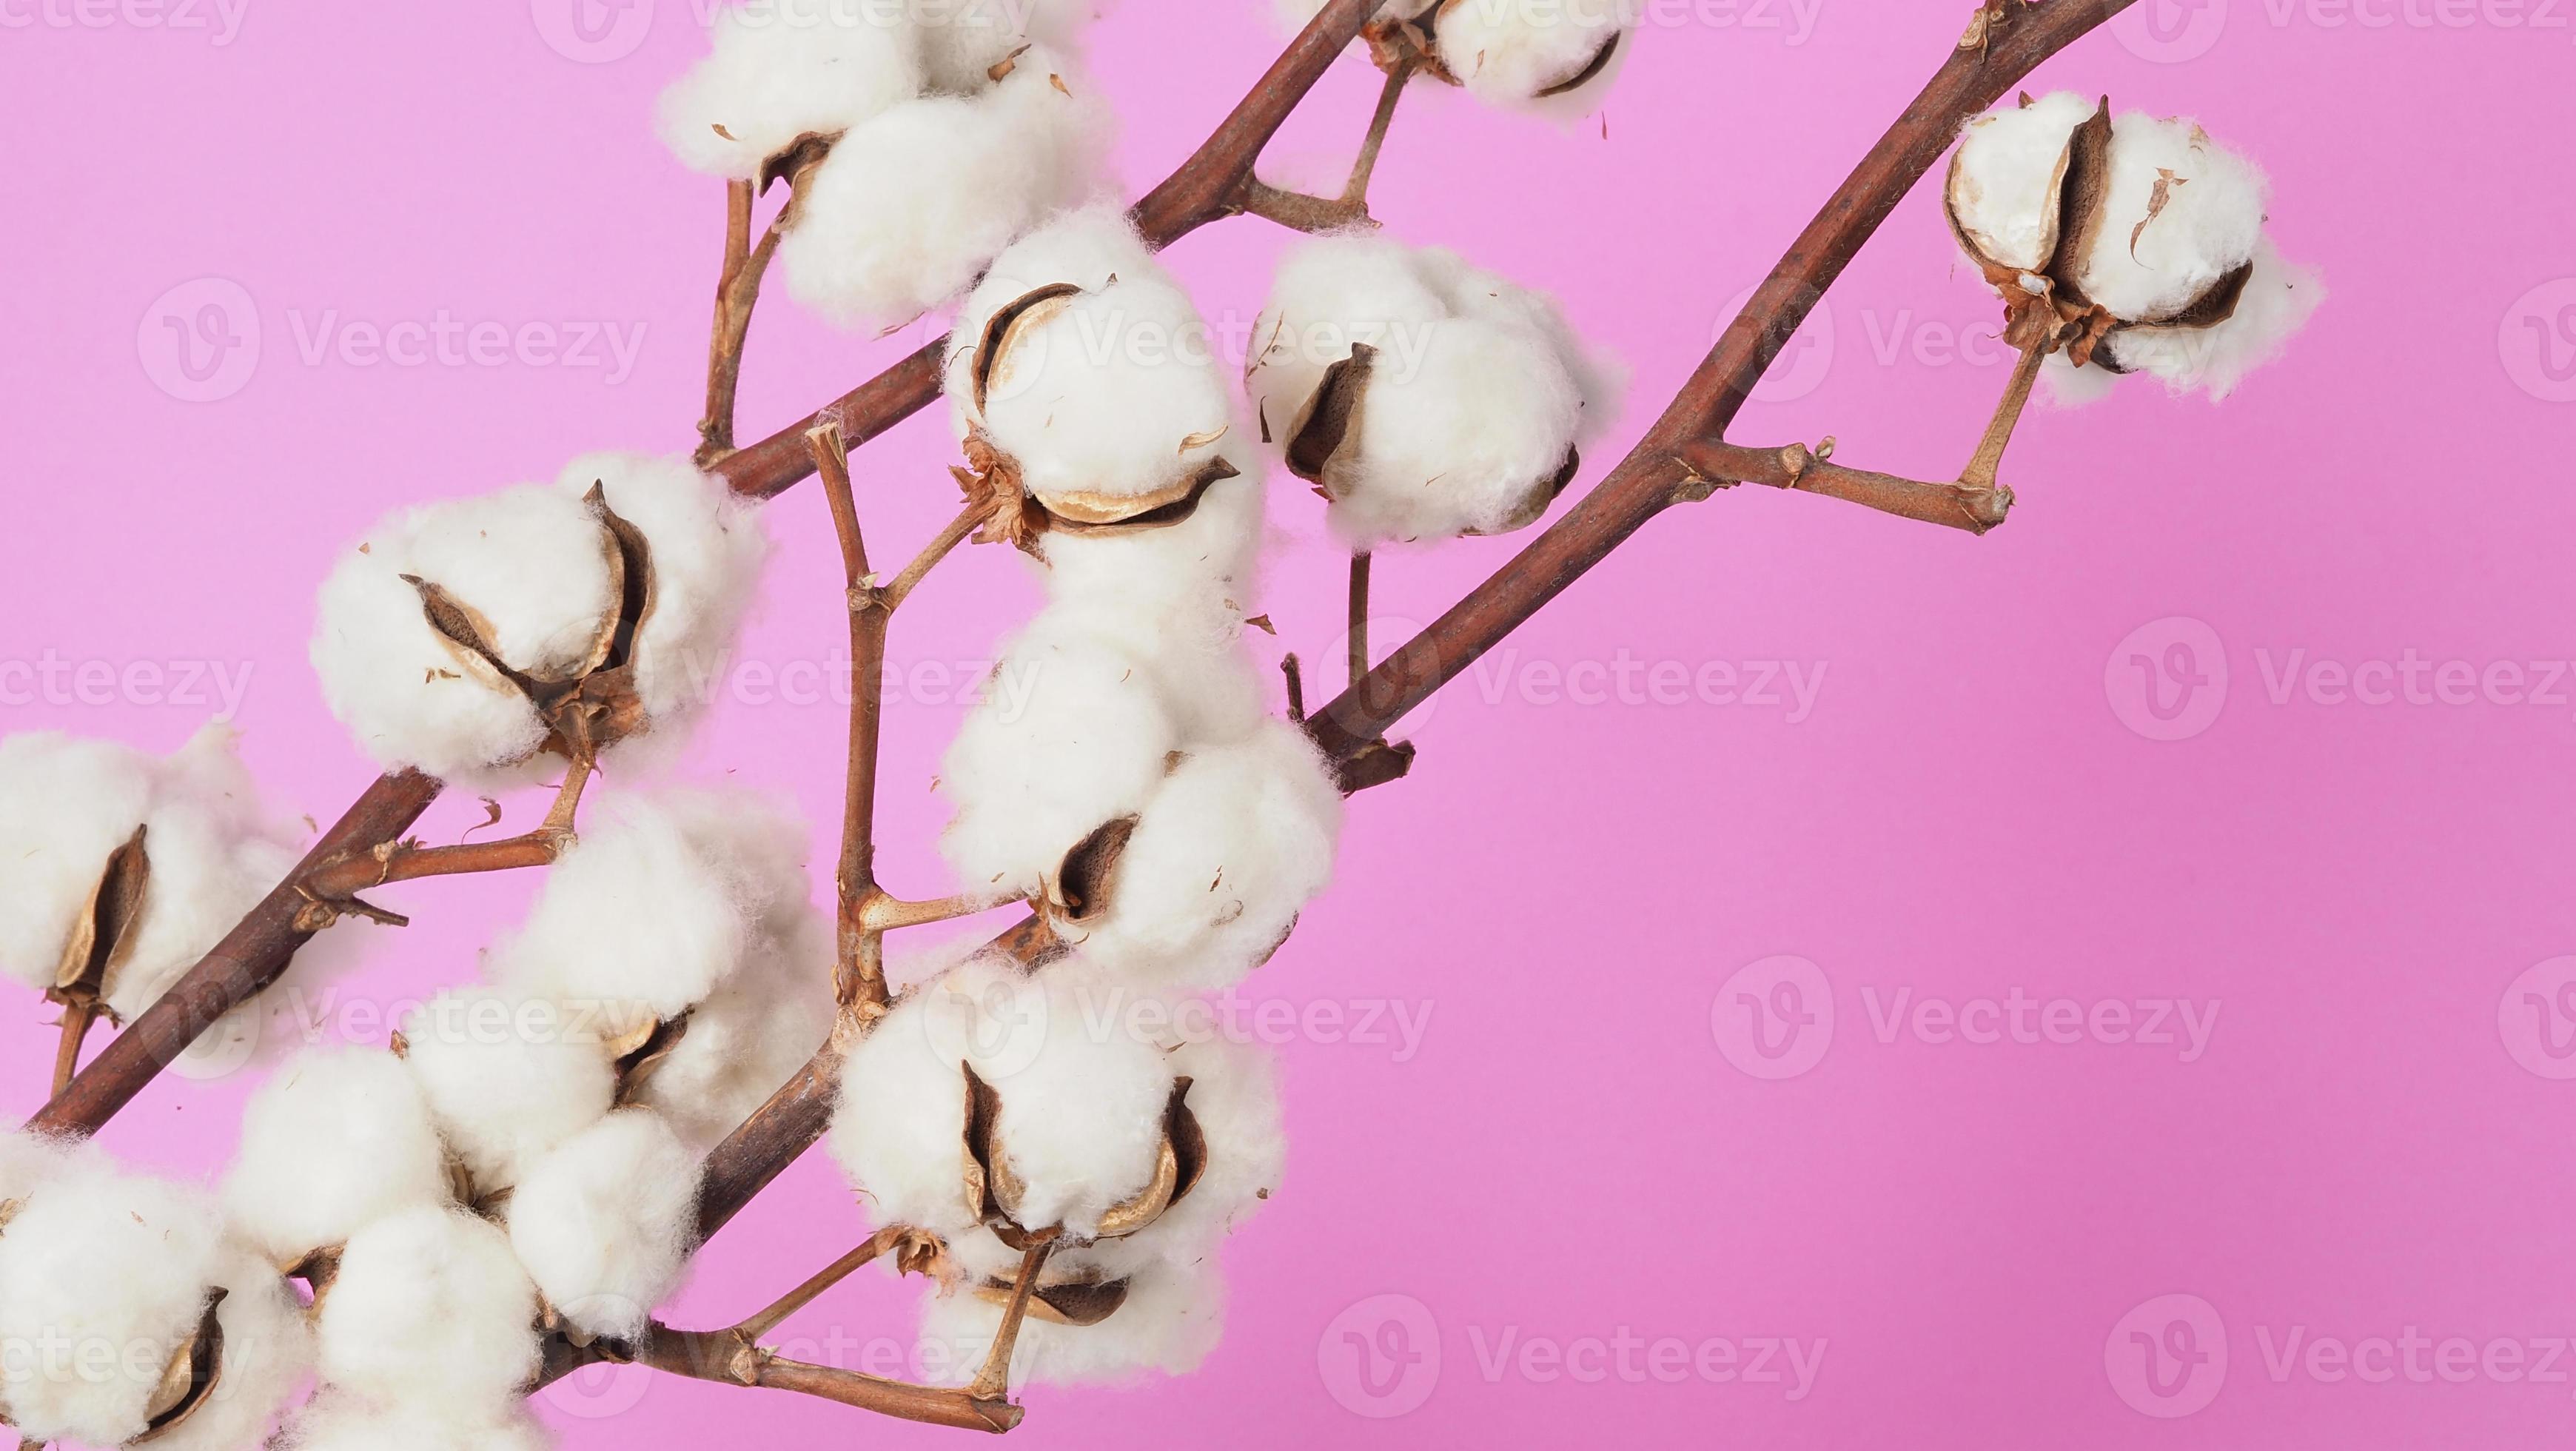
1359,618
1711,465
993,1383
331,889
723,1357
860,972
737,292
1307,213
79,1013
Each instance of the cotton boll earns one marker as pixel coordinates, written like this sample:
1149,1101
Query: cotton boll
506,1078
1083,1095
431,1308
1237,840
1172,1317
1532,55
2277,301
898,1131
66,805
268,1352
777,72
2005,179
337,1139
605,1222
1067,736
202,880
337,1421
1085,248
911,205
749,1036
707,548
532,566
103,1278
2182,212
1234,1097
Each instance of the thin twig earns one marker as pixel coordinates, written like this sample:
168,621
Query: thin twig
954,533
1298,211
859,971
882,913
1358,649
1714,465
832,1274
1356,192
333,884
737,293
721,1356
79,1012
1982,467
993,1383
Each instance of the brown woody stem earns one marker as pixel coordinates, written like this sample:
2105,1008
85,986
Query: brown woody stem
1359,617
1298,211
860,971
993,1383
727,1358
1356,192
737,292
1713,465
334,884
1981,470
80,1010
823,1279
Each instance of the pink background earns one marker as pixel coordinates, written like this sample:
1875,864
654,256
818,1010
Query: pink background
1963,810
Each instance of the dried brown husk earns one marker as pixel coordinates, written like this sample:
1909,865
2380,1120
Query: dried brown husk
1078,1302
1583,75
1324,440
1078,892
1078,512
797,157
2059,314
592,705
107,927
189,1380
995,1191
640,1051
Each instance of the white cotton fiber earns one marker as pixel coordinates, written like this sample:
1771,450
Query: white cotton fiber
1110,399
338,1421
962,42
1083,1092
1233,844
2007,175
507,1077
531,564
203,880
431,1308
1542,56
66,805
707,549
337,1139
778,71
604,1223
750,1035
910,206
1185,635
1067,737
2276,303
1234,1096
1477,394
29,1159
1171,1319
268,1353
898,1130
2151,261
103,1277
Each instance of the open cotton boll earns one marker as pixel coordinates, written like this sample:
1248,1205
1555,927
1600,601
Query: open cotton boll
96,1258
605,1222
1234,1097
2004,181
749,1036
960,44
1232,846
66,805
338,1421
507,1077
268,1352
337,1139
202,880
1172,1317
1188,646
898,1130
1083,1093
1540,56
776,72
2276,303
532,565
707,547
2181,213
1067,736
431,1308
910,206
1084,247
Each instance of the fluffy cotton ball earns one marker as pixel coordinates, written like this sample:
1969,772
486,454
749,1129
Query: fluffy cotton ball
2005,178
507,1077
431,1308
337,1421
29,1159
1234,1096
2182,212
960,44
1110,399
1235,842
533,565
750,1035
337,1139
1067,737
912,204
2277,301
1541,56
898,1132
1083,1086
1475,400
268,1352
780,71
66,805
707,548
103,1278
605,1222
1171,1319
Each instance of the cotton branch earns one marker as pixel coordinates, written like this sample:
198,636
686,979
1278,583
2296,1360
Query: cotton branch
1960,506
1304,213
